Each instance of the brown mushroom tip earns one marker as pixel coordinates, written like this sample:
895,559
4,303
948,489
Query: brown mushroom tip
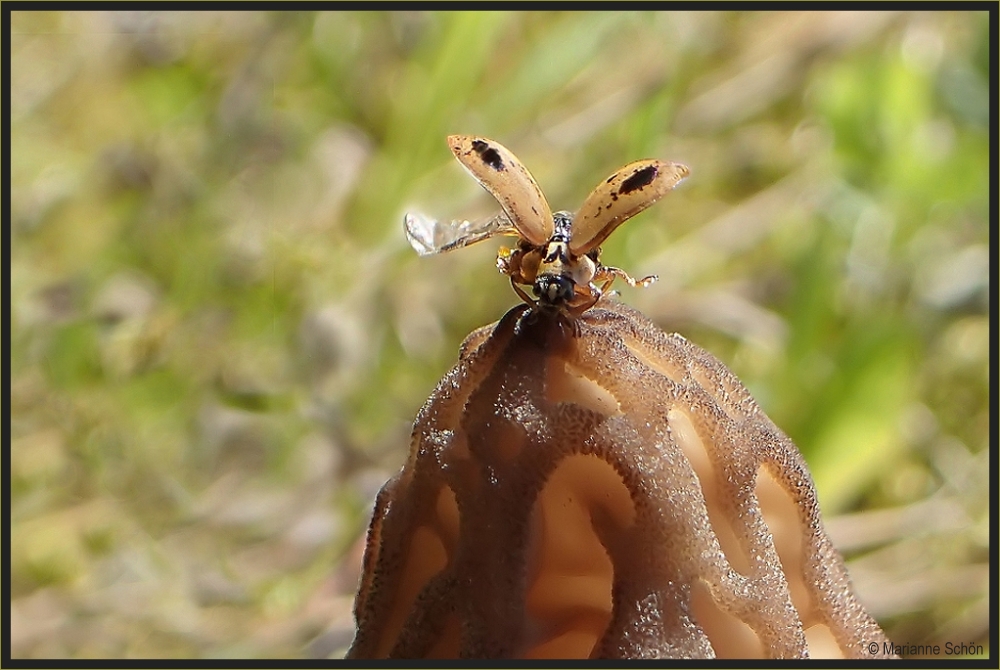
600,489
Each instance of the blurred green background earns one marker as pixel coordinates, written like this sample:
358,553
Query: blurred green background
220,336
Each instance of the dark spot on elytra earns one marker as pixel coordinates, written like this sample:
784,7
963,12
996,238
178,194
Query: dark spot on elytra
641,179
489,155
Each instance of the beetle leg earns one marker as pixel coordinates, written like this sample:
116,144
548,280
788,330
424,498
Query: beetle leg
504,261
608,274
595,292
524,296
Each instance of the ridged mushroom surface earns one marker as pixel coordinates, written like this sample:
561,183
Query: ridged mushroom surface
600,489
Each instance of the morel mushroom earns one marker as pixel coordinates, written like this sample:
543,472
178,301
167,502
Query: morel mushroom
598,488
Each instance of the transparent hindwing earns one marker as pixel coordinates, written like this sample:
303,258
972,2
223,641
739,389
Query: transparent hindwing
428,236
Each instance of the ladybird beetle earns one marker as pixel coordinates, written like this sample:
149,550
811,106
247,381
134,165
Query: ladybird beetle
558,254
